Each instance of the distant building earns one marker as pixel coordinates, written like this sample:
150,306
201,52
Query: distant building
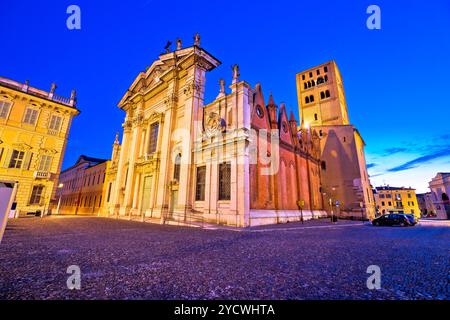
34,127
396,200
323,107
426,205
81,187
440,190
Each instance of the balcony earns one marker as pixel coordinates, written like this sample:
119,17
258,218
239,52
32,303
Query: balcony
41,175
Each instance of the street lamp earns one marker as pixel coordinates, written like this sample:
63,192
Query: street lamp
361,205
60,195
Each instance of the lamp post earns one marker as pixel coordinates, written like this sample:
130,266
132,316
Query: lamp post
361,205
60,195
300,204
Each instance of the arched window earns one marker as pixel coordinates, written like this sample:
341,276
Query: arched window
306,99
325,78
315,116
323,165
311,98
327,93
306,85
320,80
176,168
322,95
313,83
309,84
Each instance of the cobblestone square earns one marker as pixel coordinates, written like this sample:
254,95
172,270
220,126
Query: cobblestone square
131,260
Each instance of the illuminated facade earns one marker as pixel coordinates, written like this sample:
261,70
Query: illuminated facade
34,126
323,107
183,160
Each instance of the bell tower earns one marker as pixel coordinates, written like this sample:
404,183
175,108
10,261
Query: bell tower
321,96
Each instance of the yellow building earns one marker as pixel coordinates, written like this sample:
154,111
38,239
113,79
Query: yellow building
34,126
396,200
323,108
82,187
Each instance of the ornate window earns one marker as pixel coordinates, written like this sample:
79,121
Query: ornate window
176,168
154,128
36,194
16,159
4,109
44,164
55,123
225,181
200,184
30,116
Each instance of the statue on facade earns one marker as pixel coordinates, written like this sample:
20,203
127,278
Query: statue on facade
197,40
222,88
167,47
236,73
179,44
53,88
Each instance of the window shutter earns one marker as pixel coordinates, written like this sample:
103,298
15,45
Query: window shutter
27,160
6,159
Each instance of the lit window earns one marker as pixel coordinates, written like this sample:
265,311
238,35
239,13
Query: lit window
44,164
55,123
4,109
154,128
176,169
200,184
16,159
36,194
30,116
225,181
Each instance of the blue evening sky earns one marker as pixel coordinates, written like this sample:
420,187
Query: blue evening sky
396,78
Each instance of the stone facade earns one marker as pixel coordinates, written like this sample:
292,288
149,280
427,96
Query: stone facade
183,160
440,190
426,205
34,127
323,107
82,188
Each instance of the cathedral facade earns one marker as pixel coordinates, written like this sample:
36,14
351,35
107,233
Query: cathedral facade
238,160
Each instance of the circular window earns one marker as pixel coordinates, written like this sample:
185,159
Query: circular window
259,111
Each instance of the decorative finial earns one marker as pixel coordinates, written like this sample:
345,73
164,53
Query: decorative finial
73,94
197,40
236,73
53,87
167,47
179,44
